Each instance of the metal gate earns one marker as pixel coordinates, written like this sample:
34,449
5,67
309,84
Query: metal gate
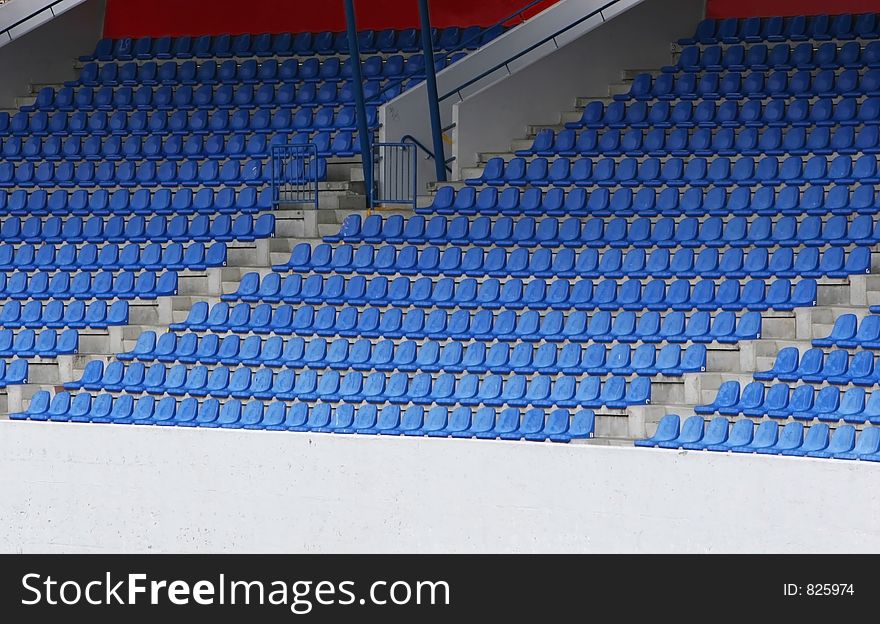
295,174
395,174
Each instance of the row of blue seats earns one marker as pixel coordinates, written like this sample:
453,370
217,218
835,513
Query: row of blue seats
781,56
768,438
378,387
13,373
731,113
773,141
800,402
46,344
175,147
194,256
58,314
206,97
535,294
567,263
170,147
160,122
484,325
288,44
555,326
796,28
125,202
815,366
439,421
410,356
136,229
599,232
43,285
192,173
647,201
677,171
758,85
849,333
268,71
396,70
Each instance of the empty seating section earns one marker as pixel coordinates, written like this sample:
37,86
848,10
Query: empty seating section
543,296
156,160
778,117
734,162
207,111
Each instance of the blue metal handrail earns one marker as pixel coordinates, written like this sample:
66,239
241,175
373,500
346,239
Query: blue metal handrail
445,56
295,175
499,23
360,104
534,46
48,7
408,138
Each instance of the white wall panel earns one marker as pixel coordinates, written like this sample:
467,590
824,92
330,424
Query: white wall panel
96,488
46,54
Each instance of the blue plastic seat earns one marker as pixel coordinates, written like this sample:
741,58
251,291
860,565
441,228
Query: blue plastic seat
667,430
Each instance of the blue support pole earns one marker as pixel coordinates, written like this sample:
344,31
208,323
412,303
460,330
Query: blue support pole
431,83
360,104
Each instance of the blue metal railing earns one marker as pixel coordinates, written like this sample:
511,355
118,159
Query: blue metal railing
500,24
408,138
431,86
359,102
7,30
396,174
530,48
295,174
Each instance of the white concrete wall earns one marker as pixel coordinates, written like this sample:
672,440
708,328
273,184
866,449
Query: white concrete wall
31,14
543,82
407,114
638,38
98,488
47,53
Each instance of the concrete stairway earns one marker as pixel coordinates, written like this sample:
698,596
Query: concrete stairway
293,225
341,194
780,329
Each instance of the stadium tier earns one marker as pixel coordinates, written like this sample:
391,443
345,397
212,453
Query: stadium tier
639,260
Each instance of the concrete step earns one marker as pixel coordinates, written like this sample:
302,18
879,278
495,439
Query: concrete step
36,87
327,229
581,102
630,74
533,130
284,244
20,101
471,172
620,88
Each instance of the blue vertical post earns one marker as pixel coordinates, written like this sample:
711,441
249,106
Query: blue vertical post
360,104
431,83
